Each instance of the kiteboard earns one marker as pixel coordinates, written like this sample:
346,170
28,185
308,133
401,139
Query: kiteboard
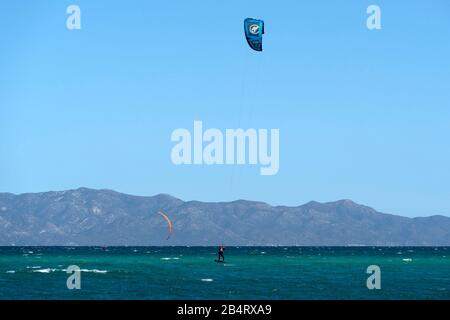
221,261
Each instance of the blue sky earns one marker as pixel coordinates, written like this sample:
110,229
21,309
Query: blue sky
363,115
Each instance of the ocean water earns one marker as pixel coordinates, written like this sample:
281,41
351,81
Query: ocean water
249,273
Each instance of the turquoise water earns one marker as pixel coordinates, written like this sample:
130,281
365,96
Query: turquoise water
249,273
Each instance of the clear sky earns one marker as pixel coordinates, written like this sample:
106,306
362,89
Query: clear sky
363,115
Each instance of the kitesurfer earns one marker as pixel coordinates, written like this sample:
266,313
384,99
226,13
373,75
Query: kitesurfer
221,256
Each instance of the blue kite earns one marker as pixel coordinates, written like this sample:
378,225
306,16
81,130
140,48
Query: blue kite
254,29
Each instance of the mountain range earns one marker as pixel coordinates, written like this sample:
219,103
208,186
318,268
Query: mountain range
108,218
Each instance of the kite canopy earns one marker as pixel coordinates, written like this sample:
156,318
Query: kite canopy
168,222
254,29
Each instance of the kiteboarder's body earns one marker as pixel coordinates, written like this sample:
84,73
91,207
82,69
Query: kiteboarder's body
221,256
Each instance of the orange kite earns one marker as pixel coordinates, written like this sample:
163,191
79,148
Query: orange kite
169,222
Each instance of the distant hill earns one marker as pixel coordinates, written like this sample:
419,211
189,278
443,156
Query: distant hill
104,217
